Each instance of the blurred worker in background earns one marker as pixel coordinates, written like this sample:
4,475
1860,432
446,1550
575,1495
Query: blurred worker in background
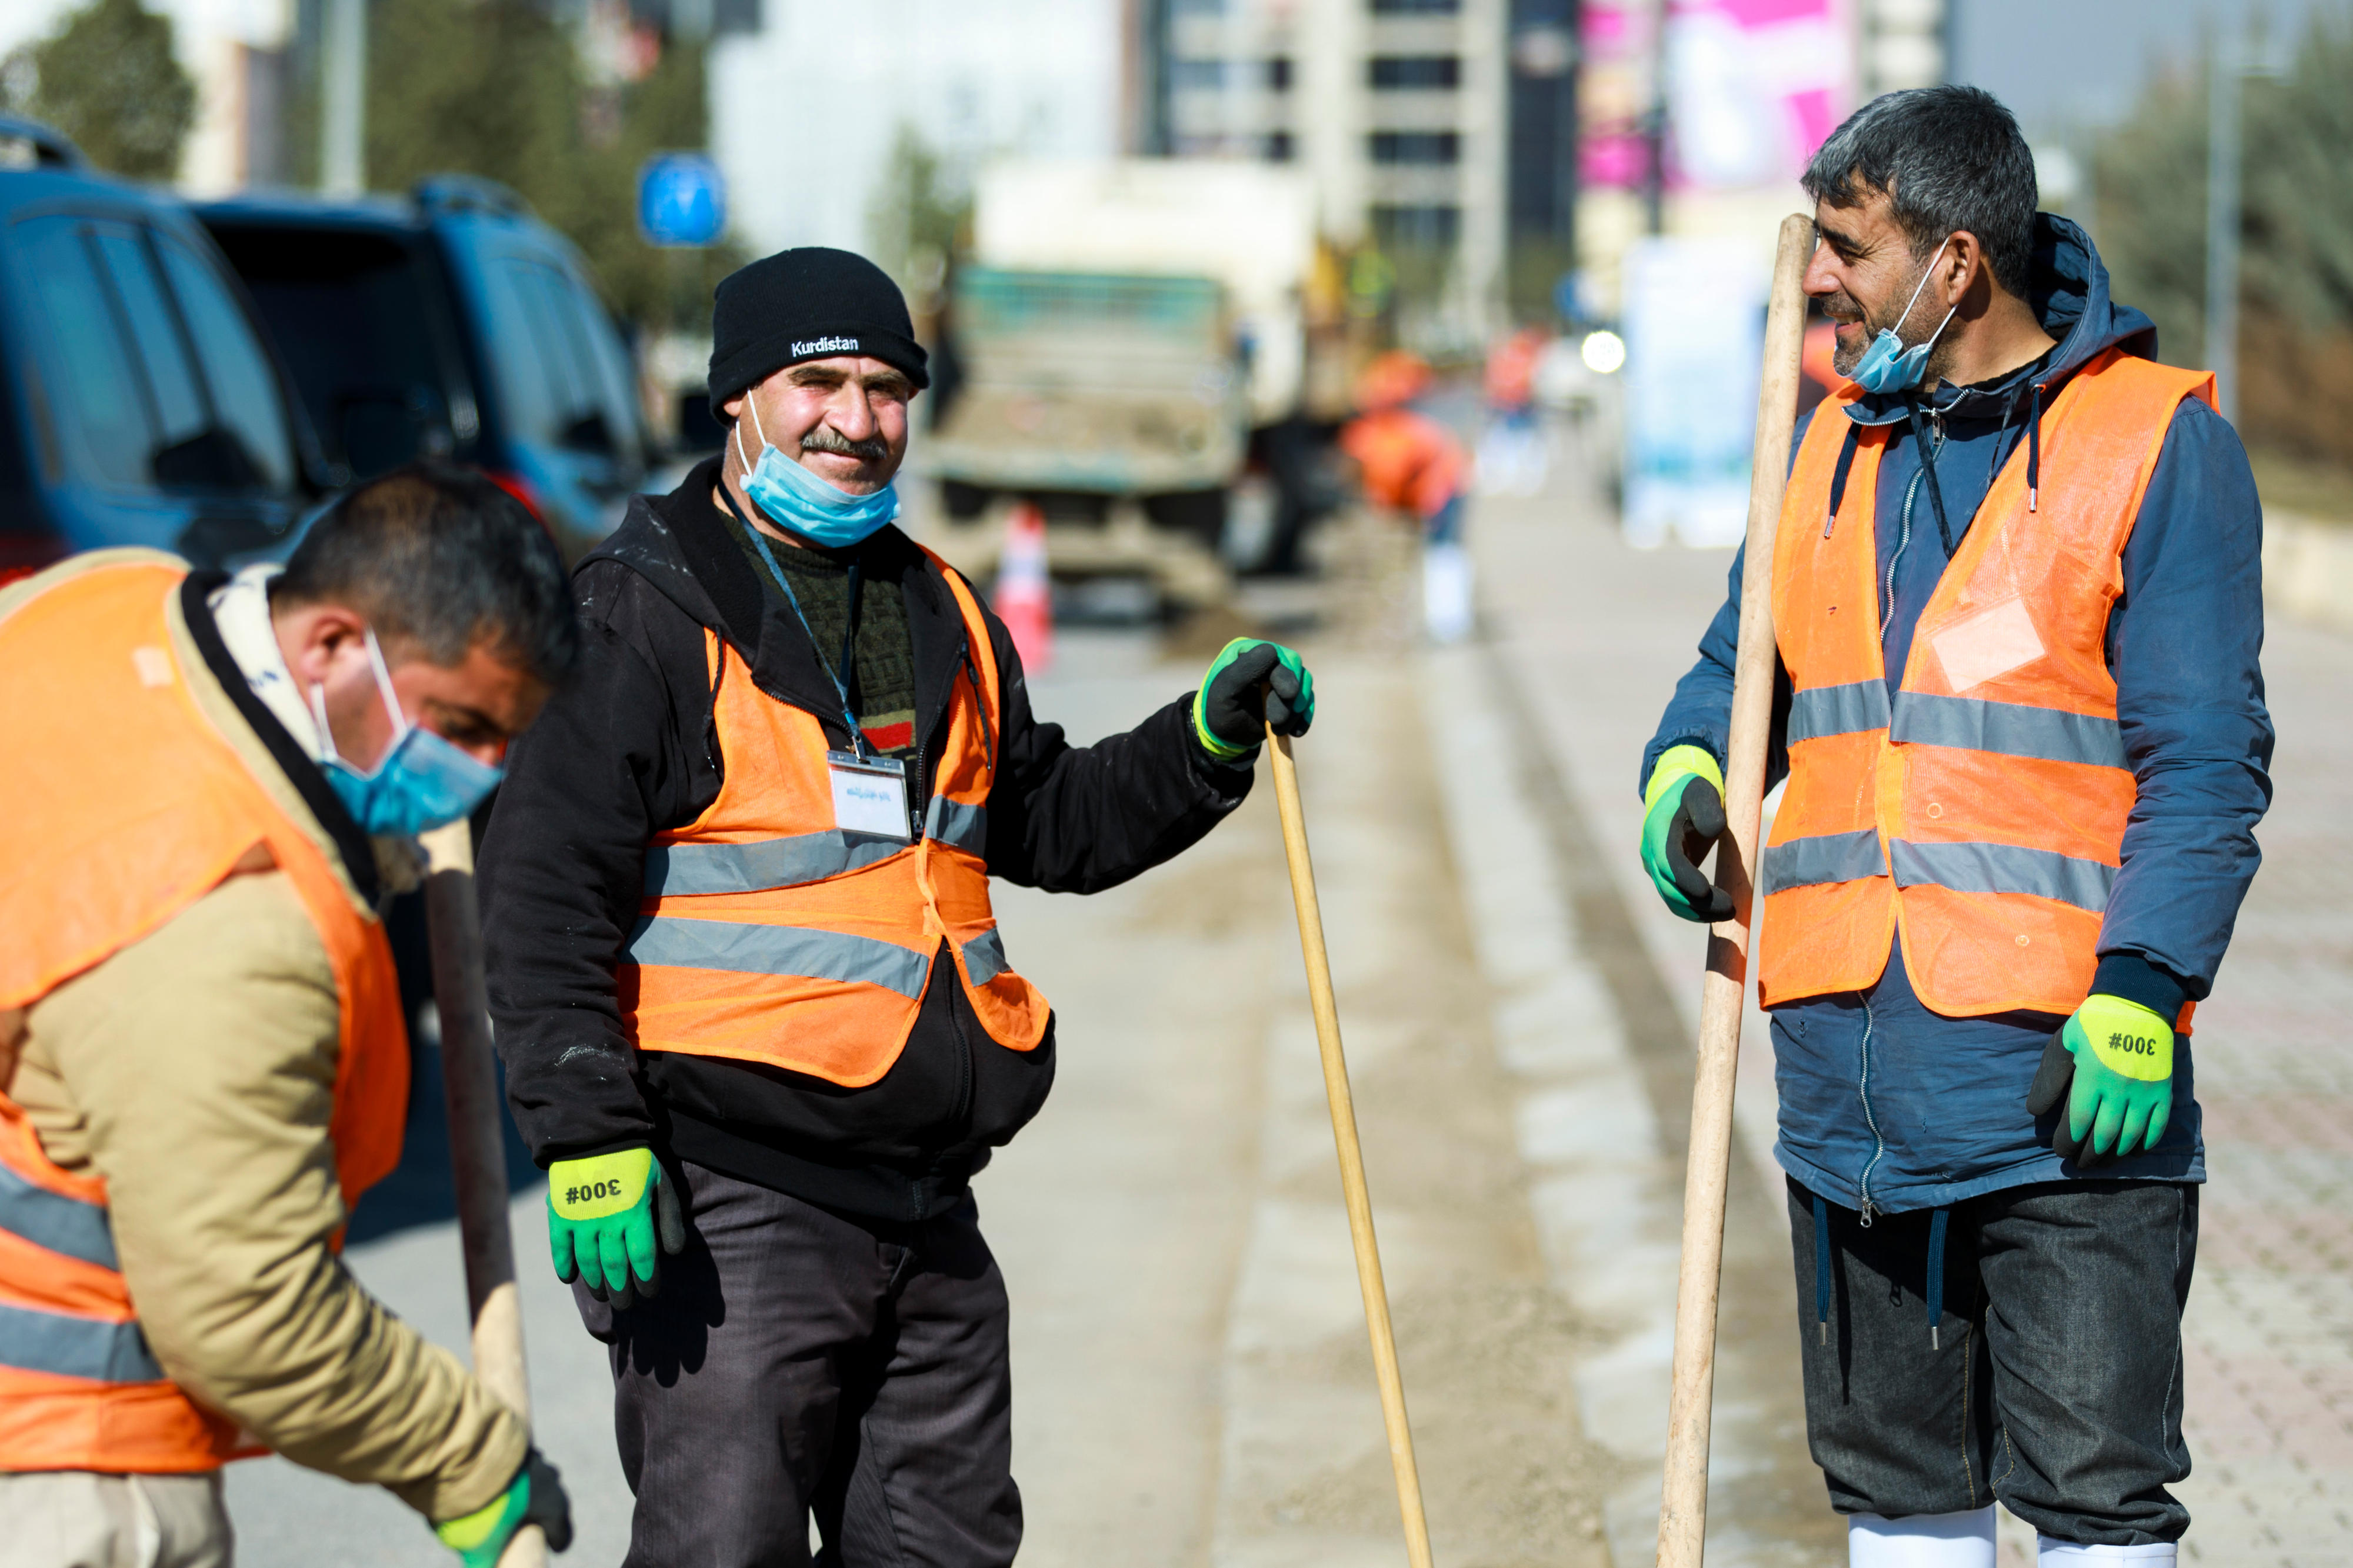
1410,463
213,785
757,1018
1512,450
2018,598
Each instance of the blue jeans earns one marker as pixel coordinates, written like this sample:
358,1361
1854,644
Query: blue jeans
2055,1381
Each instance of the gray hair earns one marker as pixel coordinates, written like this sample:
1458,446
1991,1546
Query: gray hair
1951,158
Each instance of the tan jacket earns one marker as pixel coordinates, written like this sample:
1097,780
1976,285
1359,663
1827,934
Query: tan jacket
195,1072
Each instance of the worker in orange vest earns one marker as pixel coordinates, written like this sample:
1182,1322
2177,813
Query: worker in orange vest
212,784
1511,451
758,1018
2017,594
1409,463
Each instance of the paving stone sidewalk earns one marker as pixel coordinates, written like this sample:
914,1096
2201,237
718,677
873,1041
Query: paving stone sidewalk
1599,633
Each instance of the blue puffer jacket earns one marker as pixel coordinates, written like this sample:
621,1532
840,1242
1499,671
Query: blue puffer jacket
1884,1103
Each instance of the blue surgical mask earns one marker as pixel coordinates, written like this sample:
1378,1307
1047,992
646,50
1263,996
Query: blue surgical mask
1887,365
423,781
805,503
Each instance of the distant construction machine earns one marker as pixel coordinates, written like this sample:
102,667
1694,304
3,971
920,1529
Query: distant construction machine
1125,335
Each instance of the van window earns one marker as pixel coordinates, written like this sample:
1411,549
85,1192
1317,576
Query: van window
87,371
150,382
552,329
616,375
179,402
357,320
557,361
250,404
528,392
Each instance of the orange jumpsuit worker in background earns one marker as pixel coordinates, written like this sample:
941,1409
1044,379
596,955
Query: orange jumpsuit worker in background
1408,462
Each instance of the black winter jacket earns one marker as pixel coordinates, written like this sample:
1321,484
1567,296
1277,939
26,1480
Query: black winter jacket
628,749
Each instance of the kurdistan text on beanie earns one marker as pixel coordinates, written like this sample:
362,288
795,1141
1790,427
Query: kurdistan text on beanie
809,303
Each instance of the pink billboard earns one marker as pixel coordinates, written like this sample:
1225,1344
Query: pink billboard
1753,88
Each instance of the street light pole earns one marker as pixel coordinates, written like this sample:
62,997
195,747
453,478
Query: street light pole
1654,126
2223,160
343,82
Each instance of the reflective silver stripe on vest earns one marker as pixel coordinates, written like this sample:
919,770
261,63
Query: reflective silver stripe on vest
957,822
52,1220
1838,710
984,957
674,870
2011,729
665,942
2003,869
35,1340
1829,857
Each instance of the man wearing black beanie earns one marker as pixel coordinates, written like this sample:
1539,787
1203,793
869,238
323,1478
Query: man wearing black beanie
758,1022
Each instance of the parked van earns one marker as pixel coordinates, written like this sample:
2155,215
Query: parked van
452,323
140,404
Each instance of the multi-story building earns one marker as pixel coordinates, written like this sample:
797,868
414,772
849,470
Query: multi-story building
1399,110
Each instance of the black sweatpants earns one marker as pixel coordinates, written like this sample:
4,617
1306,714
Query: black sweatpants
2054,1382
797,1362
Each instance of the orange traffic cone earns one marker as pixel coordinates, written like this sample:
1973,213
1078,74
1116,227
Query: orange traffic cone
1024,598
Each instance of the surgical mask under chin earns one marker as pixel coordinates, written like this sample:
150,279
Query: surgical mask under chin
1887,365
805,503
423,781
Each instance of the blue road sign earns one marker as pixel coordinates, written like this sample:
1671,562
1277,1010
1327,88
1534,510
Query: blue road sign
681,200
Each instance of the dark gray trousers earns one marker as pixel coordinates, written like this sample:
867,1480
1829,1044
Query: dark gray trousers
2055,1380
796,1362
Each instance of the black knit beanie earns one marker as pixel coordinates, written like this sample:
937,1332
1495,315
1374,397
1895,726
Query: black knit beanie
809,303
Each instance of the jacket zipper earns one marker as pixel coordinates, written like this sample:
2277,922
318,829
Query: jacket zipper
919,792
1878,1143
980,706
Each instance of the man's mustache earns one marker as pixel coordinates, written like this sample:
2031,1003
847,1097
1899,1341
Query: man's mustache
826,439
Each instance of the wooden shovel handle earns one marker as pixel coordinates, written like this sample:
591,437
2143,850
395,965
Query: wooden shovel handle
1682,1503
1352,1154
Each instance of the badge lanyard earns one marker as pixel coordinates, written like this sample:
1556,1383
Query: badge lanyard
848,637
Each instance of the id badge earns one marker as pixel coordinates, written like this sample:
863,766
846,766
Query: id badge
869,794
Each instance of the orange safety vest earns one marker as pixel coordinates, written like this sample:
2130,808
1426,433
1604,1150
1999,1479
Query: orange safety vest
769,934
1983,815
1407,460
124,804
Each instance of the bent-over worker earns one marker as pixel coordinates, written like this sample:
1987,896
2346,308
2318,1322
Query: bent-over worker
2017,594
758,1021
213,783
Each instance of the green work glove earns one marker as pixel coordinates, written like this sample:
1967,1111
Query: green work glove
2113,1064
535,1497
1249,685
604,1213
1683,816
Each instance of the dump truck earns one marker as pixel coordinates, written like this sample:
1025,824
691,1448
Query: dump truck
1125,335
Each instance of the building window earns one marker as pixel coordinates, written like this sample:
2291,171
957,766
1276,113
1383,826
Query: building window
1399,72
1216,76
1430,228
1417,7
1417,147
